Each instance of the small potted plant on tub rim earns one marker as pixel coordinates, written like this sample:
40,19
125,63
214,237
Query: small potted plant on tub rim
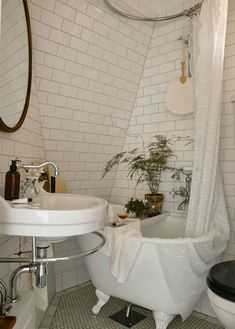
138,207
147,165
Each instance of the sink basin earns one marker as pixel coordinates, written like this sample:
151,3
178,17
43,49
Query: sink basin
53,215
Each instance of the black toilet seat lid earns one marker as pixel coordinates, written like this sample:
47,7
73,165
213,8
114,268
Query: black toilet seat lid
221,280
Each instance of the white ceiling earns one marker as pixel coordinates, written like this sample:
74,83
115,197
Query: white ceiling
160,5
153,7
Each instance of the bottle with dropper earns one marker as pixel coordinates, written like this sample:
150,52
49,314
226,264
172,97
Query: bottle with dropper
12,182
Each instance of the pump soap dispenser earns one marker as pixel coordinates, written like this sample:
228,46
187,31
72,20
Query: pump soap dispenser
12,182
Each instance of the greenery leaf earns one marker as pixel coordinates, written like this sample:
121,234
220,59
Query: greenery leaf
146,166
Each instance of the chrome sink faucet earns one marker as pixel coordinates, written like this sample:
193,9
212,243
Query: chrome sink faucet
29,183
183,191
20,165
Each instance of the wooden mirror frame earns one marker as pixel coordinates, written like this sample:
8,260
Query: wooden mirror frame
3,126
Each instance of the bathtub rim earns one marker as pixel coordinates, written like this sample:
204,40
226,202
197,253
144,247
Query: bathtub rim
178,240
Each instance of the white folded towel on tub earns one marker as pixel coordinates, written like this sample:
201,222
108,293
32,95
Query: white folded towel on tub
122,245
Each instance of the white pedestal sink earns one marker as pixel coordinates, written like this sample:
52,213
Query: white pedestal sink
53,215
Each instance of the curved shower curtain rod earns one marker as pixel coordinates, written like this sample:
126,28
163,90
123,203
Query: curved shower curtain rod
187,12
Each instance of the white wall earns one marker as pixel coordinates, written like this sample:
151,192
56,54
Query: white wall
13,61
150,117
27,145
227,141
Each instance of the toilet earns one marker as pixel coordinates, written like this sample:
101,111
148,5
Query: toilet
221,292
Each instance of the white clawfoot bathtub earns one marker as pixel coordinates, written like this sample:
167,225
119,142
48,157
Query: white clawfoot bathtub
146,284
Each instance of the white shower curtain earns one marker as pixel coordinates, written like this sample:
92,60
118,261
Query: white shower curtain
207,209
207,227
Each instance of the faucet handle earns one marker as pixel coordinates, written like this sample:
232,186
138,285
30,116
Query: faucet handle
176,174
4,308
19,164
43,177
188,176
188,172
173,193
182,190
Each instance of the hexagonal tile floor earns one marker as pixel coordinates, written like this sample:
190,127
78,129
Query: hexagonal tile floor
72,310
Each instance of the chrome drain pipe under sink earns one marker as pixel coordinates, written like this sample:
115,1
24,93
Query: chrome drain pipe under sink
37,264
13,280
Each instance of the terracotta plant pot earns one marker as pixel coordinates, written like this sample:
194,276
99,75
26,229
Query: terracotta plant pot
156,201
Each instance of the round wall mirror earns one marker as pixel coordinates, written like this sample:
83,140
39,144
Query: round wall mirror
15,64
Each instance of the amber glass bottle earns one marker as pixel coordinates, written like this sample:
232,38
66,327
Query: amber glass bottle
12,182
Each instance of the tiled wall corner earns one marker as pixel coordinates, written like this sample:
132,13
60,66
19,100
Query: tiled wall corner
69,273
27,145
150,117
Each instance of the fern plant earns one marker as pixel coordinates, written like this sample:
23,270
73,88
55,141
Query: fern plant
147,165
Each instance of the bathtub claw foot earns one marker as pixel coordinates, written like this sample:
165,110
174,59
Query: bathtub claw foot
102,299
162,319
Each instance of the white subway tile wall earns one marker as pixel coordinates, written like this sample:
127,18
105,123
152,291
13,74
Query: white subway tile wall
227,140
150,116
13,49
25,144
88,67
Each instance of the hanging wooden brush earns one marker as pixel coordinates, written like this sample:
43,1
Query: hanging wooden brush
180,97
183,76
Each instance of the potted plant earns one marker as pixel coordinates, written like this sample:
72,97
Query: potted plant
147,166
138,207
